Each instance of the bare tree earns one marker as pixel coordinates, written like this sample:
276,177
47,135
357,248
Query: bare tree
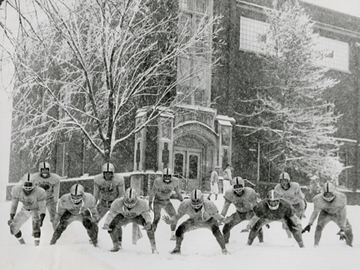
291,114
88,65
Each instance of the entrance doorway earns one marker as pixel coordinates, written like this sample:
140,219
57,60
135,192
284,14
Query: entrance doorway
187,167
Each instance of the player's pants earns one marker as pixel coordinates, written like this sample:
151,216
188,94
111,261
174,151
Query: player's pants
21,217
296,232
119,221
238,217
103,207
87,221
169,209
324,218
51,208
191,224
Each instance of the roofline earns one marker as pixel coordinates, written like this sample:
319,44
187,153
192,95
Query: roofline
319,25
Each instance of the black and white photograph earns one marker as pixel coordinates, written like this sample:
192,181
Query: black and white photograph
179,134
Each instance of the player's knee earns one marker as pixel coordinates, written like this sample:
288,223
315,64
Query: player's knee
180,231
87,223
216,231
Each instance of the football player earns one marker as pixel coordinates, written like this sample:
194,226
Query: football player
162,190
128,209
108,186
291,192
244,200
274,209
202,214
50,182
33,202
77,205
330,205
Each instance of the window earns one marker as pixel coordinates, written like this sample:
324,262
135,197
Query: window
251,39
250,34
337,54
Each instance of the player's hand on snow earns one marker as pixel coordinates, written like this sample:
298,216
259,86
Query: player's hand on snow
166,219
306,229
147,226
246,230
342,235
228,219
106,227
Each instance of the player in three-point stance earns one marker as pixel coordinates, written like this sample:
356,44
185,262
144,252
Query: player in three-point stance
129,209
202,214
244,200
77,205
330,205
33,199
274,209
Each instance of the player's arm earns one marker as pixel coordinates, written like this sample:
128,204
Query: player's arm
178,193
96,192
151,196
225,208
57,190
13,208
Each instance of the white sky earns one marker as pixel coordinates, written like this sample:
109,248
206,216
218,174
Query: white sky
351,7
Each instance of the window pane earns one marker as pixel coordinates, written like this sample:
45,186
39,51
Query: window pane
179,164
193,167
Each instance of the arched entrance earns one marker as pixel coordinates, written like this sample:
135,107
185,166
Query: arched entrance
194,153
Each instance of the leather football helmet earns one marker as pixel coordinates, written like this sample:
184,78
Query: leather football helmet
284,179
130,198
76,193
44,169
273,200
197,199
28,184
108,171
328,193
238,185
167,174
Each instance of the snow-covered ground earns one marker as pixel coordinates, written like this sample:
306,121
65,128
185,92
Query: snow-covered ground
199,250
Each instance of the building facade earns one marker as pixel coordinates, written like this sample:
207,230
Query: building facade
202,131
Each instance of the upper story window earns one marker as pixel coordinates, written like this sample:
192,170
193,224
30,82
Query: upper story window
250,34
250,40
337,56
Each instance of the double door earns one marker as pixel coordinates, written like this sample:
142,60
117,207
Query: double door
187,167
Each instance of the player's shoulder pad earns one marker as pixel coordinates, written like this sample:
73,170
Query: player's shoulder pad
118,178
98,177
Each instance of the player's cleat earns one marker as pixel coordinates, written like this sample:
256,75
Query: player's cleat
173,238
224,251
176,251
37,242
52,242
116,247
154,251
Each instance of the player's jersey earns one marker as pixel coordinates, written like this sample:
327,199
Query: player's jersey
285,210
335,206
33,201
109,190
162,190
243,203
51,185
207,211
293,195
88,203
118,207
